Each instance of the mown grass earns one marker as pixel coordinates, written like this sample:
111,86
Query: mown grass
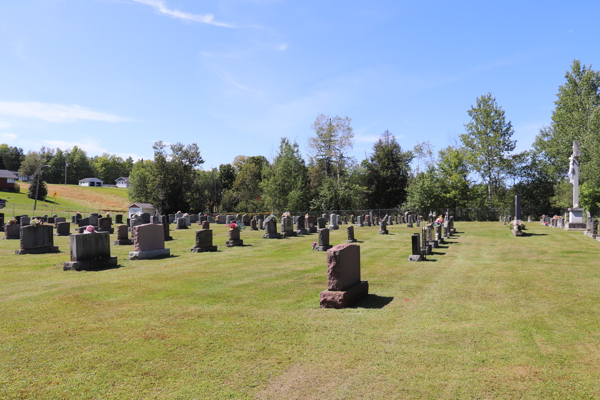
489,316
71,198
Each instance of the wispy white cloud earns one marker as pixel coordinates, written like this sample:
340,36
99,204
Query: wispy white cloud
5,124
56,112
283,47
161,7
89,146
8,137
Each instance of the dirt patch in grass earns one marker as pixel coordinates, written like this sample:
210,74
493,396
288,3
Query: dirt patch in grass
304,381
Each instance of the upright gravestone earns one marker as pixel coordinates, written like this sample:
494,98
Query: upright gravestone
154,219
93,219
416,248
105,225
204,241
300,229
135,221
164,220
25,220
12,231
171,218
359,221
287,227
245,219
233,238
1,222
37,239
333,222
310,224
122,236
64,229
320,223
383,227
271,229
426,248
344,286
90,251
148,242
518,208
58,220
119,219
323,244
193,218
351,238
181,223
253,224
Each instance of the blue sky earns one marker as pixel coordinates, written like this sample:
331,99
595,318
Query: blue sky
235,76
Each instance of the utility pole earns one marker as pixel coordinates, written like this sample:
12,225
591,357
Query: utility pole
66,165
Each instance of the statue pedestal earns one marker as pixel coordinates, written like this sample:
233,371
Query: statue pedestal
575,220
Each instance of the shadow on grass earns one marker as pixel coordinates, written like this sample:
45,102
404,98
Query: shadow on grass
108,268
526,234
373,301
429,260
449,242
437,253
442,247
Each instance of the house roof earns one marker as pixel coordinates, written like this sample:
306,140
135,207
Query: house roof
91,180
142,205
4,173
126,179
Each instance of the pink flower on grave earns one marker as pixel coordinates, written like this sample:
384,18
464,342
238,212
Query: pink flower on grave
90,229
314,244
232,225
78,213
186,215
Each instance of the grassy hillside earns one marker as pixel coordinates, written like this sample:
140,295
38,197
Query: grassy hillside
488,316
70,198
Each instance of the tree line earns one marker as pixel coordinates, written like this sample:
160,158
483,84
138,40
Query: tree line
479,173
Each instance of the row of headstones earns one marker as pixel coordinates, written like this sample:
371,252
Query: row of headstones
431,236
591,227
552,222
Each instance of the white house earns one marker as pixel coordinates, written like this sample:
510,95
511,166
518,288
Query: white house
91,182
141,208
122,182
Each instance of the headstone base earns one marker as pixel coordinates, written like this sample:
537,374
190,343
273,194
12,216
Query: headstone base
312,229
11,238
181,227
351,241
88,265
234,243
434,243
203,249
343,299
289,234
323,248
149,254
517,232
575,226
301,232
452,231
384,232
38,250
409,225
418,257
62,234
111,231
123,242
334,227
272,236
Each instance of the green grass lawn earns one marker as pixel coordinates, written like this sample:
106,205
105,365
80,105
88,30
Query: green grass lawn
489,316
71,198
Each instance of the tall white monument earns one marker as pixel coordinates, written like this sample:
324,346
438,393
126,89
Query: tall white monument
576,212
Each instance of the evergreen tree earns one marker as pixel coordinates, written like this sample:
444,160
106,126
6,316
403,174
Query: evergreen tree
42,191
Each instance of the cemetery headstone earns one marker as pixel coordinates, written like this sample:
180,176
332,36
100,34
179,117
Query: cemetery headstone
320,223
310,224
383,227
181,223
300,229
166,230
12,231
416,248
148,242
233,238
271,229
204,241
287,228
123,236
58,220
576,212
105,225
323,244
344,286
93,219
119,219
89,252
25,220
37,239
64,229
351,238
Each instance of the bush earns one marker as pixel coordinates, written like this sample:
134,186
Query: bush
17,188
42,191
